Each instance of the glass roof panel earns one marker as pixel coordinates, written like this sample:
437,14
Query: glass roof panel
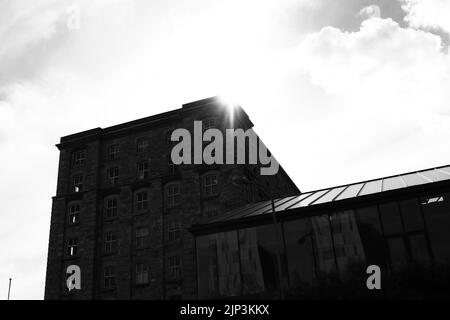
371,187
286,205
330,195
393,183
414,179
351,191
435,175
306,201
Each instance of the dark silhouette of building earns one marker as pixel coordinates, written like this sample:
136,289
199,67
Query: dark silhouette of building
122,209
329,237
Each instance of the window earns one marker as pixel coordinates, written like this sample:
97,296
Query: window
142,200
142,145
436,211
79,157
77,182
74,213
173,195
114,152
411,214
390,217
169,137
174,267
211,212
221,265
210,183
142,170
171,165
141,273
110,242
208,123
72,247
111,208
141,237
109,277
113,175
174,231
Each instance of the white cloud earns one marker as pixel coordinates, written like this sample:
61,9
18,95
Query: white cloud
428,13
381,64
372,11
390,88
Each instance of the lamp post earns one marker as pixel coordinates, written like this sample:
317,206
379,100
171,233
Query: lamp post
243,180
9,288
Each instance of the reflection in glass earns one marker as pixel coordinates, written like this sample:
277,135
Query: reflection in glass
347,241
228,264
301,251
259,249
397,251
207,267
309,249
369,227
390,216
251,269
218,265
412,217
437,218
419,249
322,240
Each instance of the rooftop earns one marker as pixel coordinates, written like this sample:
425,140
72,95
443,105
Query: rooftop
336,195
149,121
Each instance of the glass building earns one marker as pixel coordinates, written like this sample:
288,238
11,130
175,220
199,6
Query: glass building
319,244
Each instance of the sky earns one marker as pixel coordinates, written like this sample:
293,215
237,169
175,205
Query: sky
339,90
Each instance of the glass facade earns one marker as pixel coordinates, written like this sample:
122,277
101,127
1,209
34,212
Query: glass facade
312,256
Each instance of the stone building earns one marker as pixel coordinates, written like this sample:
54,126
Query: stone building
122,209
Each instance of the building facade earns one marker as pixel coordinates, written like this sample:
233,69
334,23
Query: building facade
328,238
122,209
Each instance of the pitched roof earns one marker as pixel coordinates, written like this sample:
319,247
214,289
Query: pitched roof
339,193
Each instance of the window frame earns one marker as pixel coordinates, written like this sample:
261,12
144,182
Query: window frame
141,239
142,273
113,178
109,277
142,204
174,270
77,182
72,246
209,123
174,229
173,194
78,157
111,211
110,242
74,213
210,189
144,171
114,152
142,145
